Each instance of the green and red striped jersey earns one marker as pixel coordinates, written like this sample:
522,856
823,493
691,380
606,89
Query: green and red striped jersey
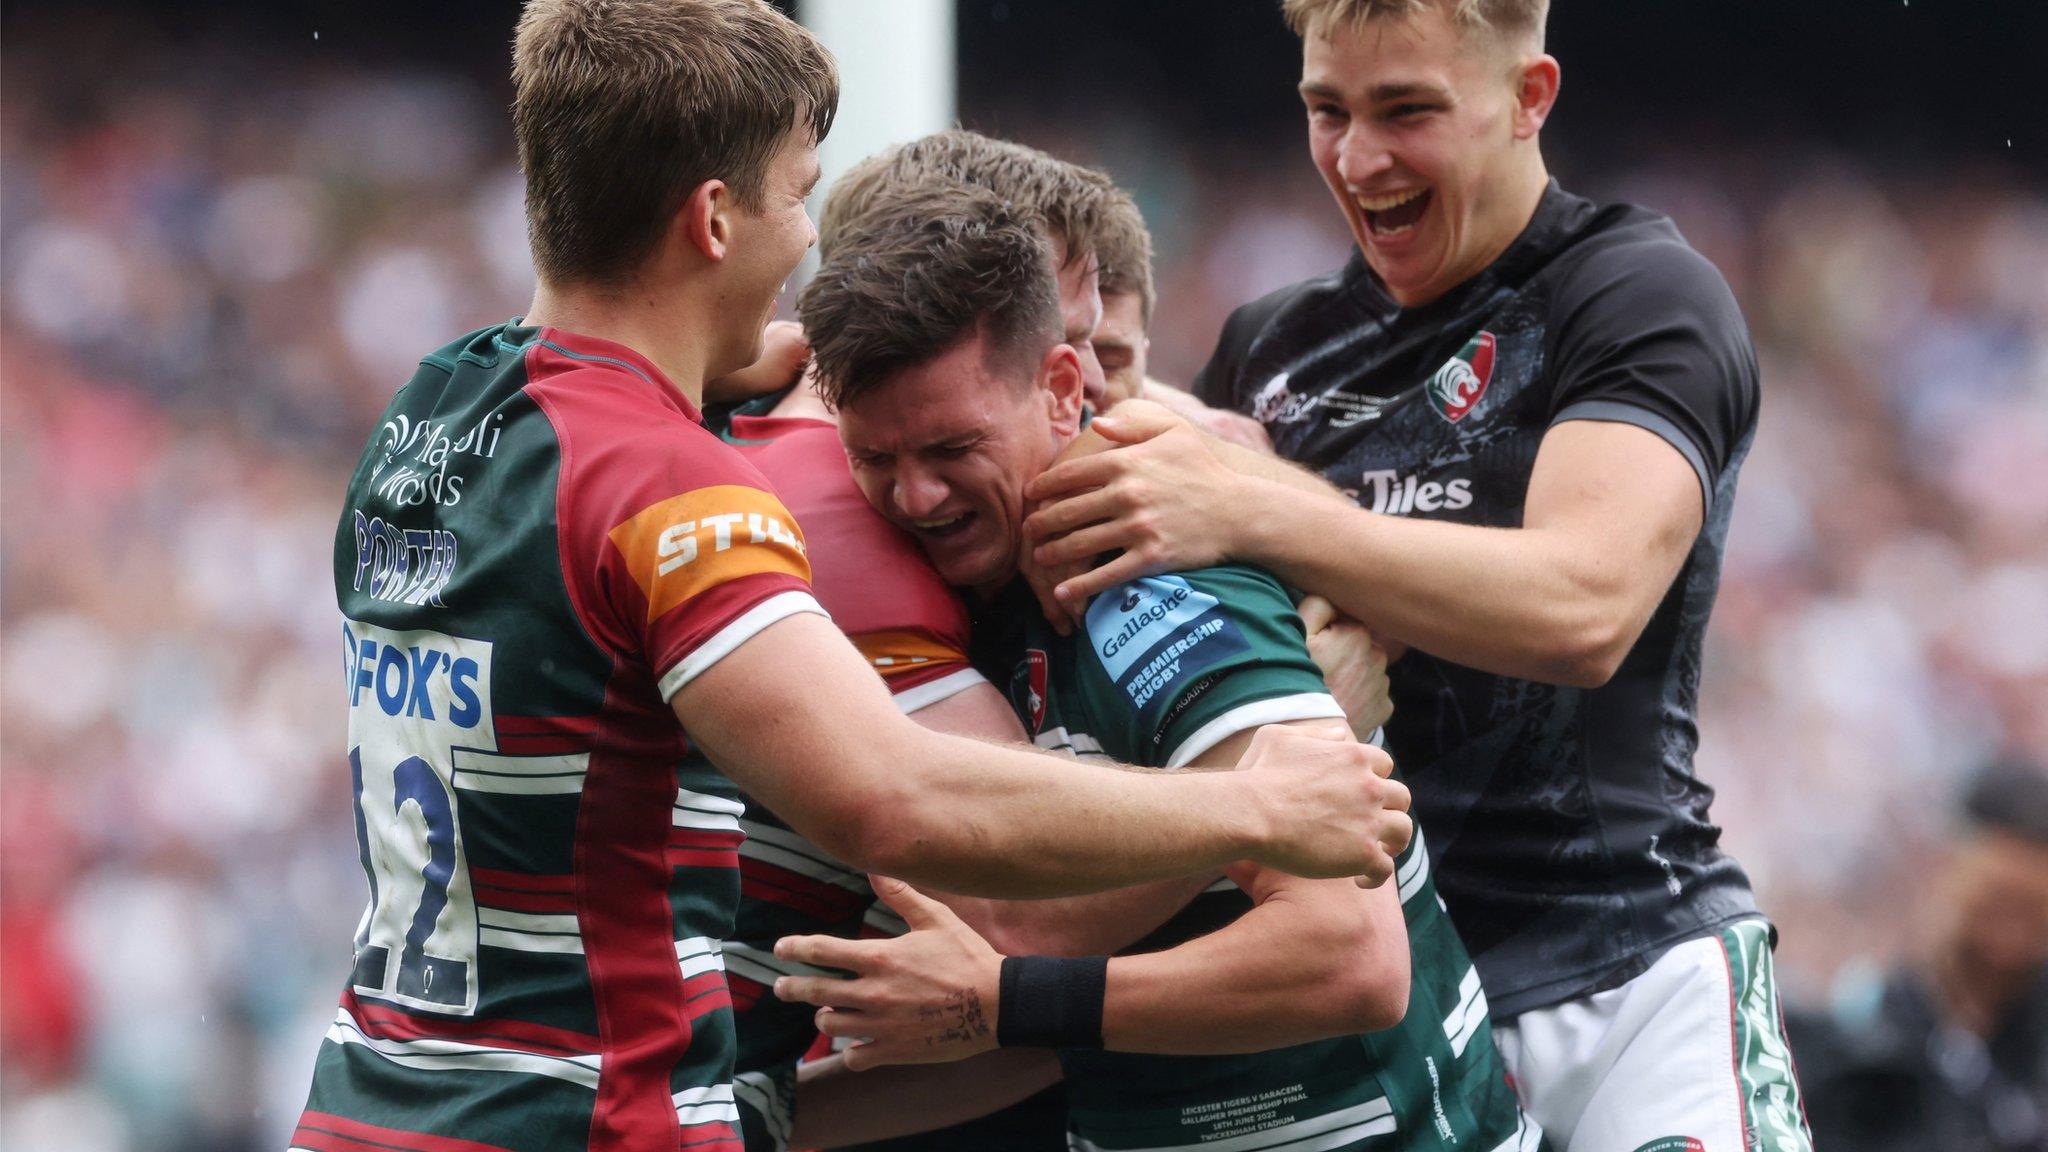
541,545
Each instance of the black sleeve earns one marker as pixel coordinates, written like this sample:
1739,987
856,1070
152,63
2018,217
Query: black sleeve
1648,333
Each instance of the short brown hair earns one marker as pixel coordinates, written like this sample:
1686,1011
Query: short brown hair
921,272
624,107
1069,200
1509,20
1125,249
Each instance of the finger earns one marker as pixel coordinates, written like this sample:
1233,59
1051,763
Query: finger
1395,833
1316,614
1382,765
843,1023
823,991
1049,606
1076,592
917,909
831,951
1378,871
1077,475
1133,424
1081,548
1077,511
1395,797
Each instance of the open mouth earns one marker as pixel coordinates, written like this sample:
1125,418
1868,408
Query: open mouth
939,529
1396,214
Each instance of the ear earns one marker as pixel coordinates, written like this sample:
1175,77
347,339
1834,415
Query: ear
705,221
1059,375
1536,82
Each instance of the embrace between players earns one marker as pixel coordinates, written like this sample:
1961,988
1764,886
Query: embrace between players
620,780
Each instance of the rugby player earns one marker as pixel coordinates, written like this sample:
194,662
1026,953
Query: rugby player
550,573
881,590
1532,409
937,339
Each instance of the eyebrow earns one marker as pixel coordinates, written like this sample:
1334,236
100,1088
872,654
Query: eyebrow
1378,93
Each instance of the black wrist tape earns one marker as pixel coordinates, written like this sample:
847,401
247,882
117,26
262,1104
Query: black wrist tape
1051,1002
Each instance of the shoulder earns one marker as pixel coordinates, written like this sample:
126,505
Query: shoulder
1630,263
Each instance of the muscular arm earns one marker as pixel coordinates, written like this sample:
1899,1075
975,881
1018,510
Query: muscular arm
1311,960
1611,511
1075,925
828,751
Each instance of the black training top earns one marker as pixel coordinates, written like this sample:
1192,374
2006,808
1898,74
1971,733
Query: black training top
1570,836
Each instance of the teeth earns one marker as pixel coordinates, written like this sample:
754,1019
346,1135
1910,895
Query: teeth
1391,200
928,525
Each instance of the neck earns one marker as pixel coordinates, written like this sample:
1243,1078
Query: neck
661,327
804,403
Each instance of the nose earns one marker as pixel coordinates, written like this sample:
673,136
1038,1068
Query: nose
1362,155
917,492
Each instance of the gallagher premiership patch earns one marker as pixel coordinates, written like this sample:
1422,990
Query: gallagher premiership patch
1156,635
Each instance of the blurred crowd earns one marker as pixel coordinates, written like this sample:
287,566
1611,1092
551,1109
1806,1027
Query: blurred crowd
211,289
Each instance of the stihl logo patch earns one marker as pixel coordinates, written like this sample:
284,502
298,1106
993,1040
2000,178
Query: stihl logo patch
1457,386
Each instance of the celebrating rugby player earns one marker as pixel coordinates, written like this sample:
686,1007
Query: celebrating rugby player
1525,413
936,330
556,581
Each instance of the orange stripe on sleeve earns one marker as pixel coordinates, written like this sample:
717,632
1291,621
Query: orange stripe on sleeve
688,544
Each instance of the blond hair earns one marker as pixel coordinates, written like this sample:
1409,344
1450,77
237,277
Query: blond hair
1506,20
624,107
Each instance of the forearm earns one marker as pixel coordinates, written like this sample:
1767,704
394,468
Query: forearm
1305,964
836,1107
1091,925
1015,823
1515,602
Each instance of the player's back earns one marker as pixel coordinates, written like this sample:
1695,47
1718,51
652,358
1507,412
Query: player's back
539,547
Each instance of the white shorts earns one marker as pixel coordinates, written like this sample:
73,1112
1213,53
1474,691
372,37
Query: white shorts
1690,1056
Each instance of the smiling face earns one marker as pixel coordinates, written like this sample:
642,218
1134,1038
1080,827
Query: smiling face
767,242
944,448
1426,135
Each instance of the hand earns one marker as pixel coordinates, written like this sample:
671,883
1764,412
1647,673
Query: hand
1354,666
921,998
784,354
1222,423
1163,497
1335,812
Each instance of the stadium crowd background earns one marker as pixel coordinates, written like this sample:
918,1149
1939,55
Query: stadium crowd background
226,241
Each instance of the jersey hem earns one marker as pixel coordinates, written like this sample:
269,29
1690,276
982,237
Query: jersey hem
1617,412
1613,974
1279,709
727,639
944,688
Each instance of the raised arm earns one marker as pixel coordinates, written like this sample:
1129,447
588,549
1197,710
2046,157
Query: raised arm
797,718
1611,511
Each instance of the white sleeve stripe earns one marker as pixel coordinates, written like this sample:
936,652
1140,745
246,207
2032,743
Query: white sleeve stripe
1301,706
944,688
744,628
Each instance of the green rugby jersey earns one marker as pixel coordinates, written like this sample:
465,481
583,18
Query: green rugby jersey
540,546
1166,668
